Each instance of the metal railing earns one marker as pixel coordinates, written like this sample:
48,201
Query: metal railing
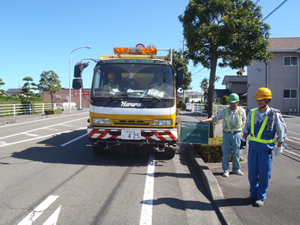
23,109
199,108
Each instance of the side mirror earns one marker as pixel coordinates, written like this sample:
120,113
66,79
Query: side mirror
77,83
79,67
179,78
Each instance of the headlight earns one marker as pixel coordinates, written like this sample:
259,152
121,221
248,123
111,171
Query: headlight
162,123
104,121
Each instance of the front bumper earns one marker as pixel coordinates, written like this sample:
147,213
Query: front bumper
146,135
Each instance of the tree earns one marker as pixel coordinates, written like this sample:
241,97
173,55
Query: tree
181,64
2,92
27,87
50,82
228,30
225,100
204,87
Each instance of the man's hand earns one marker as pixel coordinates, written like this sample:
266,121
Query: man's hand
278,151
243,146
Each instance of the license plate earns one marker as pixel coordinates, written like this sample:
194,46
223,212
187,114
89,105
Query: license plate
131,134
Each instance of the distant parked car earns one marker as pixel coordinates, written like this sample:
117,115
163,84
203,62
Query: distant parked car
188,106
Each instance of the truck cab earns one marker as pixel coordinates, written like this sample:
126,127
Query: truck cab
133,101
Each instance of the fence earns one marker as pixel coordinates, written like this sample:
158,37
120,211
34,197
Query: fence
22,109
199,108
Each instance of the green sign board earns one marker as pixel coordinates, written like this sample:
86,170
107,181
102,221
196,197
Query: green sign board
194,132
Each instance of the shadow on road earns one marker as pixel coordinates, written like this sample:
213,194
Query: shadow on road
76,152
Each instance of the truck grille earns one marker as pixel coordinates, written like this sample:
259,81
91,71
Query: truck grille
132,122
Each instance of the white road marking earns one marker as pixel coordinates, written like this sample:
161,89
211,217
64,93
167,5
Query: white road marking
293,124
32,139
34,121
292,153
2,143
41,128
146,213
28,220
52,220
292,140
292,132
32,135
73,140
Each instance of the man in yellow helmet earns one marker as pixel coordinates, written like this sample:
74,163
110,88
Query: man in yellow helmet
112,83
233,119
262,124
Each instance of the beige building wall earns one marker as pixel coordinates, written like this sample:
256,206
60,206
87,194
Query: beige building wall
276,77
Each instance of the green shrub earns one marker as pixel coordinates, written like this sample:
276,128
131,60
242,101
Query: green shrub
225,100
179,105
53,111
211,153
177,111
187,99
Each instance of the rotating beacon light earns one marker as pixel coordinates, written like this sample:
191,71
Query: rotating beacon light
138,50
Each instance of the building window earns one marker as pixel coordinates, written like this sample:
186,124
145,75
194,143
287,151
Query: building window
290,61
290,93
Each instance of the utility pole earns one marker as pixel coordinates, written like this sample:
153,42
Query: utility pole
183,100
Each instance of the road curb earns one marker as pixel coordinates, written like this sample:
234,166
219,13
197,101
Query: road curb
226,212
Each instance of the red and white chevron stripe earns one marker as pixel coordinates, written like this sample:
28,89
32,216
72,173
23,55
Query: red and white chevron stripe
158,135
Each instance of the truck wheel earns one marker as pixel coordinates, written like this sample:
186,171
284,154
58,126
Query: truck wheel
170,153
99,149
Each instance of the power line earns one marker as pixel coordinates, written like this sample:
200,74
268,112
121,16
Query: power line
224,71
194,68
274,10
199,71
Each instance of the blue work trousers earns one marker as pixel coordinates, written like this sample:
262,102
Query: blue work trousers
231,142
260,171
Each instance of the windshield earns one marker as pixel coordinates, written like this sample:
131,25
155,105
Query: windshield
133,80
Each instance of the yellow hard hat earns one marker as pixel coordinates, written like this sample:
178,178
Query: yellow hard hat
111,75
263,93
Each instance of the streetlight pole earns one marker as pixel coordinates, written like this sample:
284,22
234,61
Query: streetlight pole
70,81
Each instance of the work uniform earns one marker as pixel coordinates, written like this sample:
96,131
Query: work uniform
262,128
157,84
110,87
233,121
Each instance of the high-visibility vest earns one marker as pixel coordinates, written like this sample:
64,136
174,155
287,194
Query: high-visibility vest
228,125
110,87
261,130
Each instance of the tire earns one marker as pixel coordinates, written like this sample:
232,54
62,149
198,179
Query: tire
170,153
99,149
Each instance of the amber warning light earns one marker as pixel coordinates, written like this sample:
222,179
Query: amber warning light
136,51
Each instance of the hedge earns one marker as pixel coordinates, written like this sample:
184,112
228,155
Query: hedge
53,111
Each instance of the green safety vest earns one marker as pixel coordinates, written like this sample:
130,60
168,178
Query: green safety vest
261,130
110,88
228,125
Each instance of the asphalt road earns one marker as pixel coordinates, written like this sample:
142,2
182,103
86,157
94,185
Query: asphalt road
49,176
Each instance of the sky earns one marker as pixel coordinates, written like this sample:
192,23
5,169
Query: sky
39,35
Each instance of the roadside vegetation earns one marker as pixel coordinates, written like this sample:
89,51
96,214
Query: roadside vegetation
31,93
226,34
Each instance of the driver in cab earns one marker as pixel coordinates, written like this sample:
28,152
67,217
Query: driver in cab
160,83
112,83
